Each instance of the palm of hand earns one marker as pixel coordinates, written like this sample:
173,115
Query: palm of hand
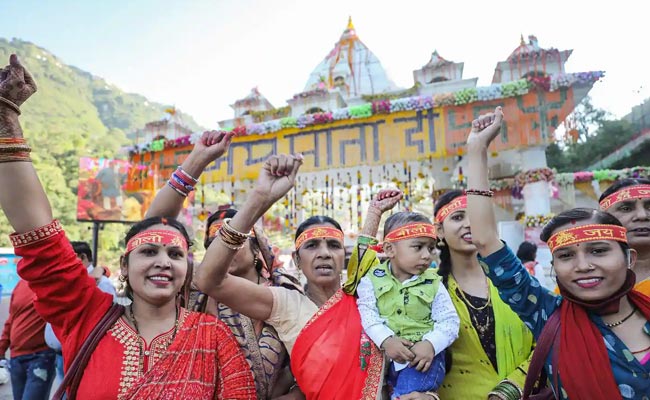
16,84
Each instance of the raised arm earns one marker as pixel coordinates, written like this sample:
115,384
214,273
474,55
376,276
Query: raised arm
25,205
48,264
212,145
276,178
362,258
481,216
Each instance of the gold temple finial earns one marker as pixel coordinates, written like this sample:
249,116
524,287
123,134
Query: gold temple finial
350,25
522,40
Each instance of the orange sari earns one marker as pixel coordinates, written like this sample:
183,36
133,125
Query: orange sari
333,359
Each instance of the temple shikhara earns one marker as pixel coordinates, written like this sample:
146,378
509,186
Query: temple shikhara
360,132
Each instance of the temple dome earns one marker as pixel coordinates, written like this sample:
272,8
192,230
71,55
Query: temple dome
351,67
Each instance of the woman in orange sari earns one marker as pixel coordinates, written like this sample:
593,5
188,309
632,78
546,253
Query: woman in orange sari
331,357
629,201
155,349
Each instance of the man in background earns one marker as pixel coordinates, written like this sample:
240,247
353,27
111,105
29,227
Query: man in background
31,366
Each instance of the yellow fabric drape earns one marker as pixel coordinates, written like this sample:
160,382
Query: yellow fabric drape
472,375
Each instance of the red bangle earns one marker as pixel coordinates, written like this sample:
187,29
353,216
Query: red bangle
478,192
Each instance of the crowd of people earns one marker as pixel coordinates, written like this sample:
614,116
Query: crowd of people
237,326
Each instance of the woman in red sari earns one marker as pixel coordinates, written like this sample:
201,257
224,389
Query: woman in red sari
331,356
155,349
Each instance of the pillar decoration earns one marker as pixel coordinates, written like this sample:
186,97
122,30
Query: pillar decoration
535,182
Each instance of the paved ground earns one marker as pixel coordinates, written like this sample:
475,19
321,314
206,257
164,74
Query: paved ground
5,390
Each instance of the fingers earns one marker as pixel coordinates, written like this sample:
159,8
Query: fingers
386,193
284,165
297,162
16,70
29,80
4,72
405,342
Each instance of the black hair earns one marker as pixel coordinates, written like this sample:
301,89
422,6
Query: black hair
444,269
618,185
148,223
229,213
527,252
316,220
214,217
82,248
402,218
581,214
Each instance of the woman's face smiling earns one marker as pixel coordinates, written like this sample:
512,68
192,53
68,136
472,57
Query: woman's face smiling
456,231
591,270
156,273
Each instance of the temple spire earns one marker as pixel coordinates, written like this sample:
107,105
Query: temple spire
350,24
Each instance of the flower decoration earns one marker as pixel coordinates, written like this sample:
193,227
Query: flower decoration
533,221
534,175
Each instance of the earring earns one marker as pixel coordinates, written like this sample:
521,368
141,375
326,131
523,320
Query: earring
298,274
123,280
255,259
441,243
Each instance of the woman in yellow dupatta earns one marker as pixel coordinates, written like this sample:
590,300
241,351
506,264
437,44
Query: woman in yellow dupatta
493,349
629,201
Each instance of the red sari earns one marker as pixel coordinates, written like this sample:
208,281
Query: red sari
200,361
333,359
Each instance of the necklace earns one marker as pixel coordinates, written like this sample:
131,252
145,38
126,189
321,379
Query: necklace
617,323
641,351
462,294
482,329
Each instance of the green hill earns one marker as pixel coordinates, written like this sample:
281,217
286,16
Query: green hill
74,114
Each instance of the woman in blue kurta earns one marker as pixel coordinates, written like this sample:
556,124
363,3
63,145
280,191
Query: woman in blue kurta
597,329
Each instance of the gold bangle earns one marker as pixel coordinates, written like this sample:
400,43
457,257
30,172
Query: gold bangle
11,104
233,231
228,245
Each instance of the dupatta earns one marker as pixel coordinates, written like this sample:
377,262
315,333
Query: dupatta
333,359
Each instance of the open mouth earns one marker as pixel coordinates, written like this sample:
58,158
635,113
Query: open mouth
160,280
467,237
324,269
588,283
640,231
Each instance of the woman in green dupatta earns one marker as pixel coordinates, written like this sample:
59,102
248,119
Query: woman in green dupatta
490,358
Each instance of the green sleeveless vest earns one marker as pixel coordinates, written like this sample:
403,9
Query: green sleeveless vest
406,308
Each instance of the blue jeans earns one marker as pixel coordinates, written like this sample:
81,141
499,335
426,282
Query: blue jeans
32,375
59,367
411,380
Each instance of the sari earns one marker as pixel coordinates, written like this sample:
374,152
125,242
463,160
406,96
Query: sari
333,359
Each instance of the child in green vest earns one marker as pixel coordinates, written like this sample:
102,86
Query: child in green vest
405,310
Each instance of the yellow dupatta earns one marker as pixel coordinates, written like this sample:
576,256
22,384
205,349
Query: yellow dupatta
472,375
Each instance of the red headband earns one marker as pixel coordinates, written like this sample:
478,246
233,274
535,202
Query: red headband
157,236
459,203
627,193
586,233
410,231
319,232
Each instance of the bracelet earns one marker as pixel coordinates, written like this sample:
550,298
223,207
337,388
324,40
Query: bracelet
188,187
228,245
231,238
478,192
15,157
11,104
433,394
511,388
172,184
185,176
500,395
